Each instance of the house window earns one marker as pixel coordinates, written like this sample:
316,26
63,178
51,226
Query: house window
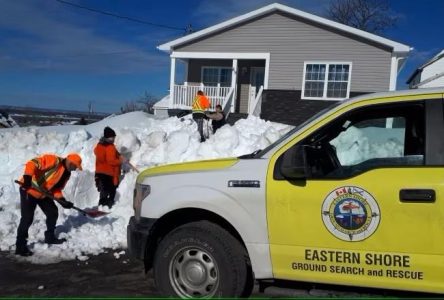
212,76
326,81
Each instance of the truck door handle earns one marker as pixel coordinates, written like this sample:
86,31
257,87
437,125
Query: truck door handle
417,195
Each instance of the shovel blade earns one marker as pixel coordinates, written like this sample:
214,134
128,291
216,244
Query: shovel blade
96,213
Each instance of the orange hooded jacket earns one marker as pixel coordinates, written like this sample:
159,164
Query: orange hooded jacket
46,171
108,160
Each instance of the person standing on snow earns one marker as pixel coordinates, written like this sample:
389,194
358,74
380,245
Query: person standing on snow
108,166
42,183
200,104
217,117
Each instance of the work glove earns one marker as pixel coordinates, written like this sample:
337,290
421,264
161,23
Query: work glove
27,181
65,203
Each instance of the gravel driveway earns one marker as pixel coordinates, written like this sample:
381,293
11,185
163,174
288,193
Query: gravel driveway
106,276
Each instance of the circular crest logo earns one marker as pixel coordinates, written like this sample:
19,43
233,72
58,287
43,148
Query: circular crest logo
350,213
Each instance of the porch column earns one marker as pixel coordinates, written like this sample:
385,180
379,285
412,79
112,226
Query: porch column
172,80
393,73
233,84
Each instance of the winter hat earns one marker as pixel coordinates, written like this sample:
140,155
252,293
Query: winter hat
75,159
108,132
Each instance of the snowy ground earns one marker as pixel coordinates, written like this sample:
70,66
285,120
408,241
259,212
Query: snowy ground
146,141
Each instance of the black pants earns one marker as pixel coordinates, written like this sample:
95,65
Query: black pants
106,188
27,208
199,118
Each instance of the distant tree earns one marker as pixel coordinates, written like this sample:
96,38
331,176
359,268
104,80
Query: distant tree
373,16
148,100
129,106
144,103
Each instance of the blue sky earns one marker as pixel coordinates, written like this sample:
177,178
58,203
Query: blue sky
58,56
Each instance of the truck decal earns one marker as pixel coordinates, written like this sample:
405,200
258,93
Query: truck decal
358,263
350,213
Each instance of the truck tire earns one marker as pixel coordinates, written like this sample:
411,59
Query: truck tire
201,259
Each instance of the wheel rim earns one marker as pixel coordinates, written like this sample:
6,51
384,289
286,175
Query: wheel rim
194,273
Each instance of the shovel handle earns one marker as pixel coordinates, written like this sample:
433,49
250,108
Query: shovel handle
47,194
44,192
133,167
80,210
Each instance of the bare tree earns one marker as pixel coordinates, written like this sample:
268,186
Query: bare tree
144,103
130,106
148,100
370,15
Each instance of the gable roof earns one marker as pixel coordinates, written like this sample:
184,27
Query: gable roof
395,46
429,62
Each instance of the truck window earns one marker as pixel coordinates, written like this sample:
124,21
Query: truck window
368,138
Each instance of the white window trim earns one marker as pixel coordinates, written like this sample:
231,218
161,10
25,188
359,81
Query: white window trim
327,63
214,67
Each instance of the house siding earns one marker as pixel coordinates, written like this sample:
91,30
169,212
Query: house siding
286,106
433,70
291,41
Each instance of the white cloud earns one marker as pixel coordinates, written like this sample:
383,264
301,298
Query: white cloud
43,35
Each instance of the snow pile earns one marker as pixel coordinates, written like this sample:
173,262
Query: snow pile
356,145
146,141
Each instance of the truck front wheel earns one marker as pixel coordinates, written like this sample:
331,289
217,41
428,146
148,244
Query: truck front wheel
201,259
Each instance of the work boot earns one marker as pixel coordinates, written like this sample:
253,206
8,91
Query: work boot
51,239
22,250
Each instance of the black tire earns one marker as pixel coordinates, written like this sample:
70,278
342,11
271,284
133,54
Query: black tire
201,259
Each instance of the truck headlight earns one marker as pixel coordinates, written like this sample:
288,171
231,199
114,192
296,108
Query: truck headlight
141,191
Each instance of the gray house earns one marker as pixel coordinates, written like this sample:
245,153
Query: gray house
281,64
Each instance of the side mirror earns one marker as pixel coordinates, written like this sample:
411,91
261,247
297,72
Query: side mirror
293,164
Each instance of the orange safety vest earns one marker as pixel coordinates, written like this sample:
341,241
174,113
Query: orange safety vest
108,161
200,103
46,172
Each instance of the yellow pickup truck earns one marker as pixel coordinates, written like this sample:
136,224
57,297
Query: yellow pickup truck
351,197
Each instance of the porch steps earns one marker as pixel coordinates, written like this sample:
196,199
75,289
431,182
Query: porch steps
234,117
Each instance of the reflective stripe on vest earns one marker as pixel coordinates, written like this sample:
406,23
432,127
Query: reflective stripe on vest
38,182
196,105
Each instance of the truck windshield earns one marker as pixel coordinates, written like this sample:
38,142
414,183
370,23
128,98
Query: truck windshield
260,153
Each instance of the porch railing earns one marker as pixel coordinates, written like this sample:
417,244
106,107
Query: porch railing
183,95
228,101
254,109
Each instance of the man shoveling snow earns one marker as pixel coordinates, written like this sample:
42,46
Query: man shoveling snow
42,183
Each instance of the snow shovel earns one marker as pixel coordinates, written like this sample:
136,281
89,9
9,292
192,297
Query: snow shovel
133,167
93,213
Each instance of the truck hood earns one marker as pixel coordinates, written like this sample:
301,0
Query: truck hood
187,167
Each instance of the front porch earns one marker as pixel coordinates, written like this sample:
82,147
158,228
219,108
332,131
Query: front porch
183,95
233,80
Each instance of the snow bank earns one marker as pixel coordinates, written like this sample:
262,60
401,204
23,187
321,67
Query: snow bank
145,140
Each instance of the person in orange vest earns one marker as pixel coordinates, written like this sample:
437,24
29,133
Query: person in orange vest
200,104
42,183
108,166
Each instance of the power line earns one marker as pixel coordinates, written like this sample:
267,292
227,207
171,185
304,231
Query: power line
121,17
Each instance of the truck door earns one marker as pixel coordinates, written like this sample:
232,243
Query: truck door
369,211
